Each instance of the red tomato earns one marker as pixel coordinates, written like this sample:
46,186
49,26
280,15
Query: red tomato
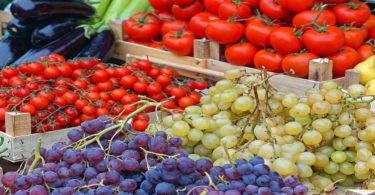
142,27
366,51
79,73
178,92
123,71
186,101
154,72
285,40
100,76
305,18
144,65
39,102
88,110
65,70
182,2
62,119
88,64
105,86
369,23
165,16
140,125
102,111
75,65
343,60
199,23
161,5
188,11
354,13
59,101
241,54
169,104
273,9
35,68
180,43
80,84
129,98
142,116
70,97
3,103
252,3
224,32
128,81
200,85
163,80
117,94
371,33
41,114
354,37
79,104
58,57
325,42
296,5
212,5
299,63
28,108
259,32
153,88
230,9
85,117
9,72
104,96
140,87
51,72
47,94
2,113
173,26
196,97
268,59
167,71
71,112
74,122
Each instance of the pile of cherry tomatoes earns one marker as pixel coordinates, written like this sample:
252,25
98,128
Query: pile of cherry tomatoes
59,93
278,35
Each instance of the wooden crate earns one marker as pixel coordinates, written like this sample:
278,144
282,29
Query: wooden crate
343,191
5,17
20,142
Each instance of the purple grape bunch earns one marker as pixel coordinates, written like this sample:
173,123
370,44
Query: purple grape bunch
140,164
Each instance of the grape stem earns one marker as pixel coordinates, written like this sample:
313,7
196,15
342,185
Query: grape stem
37,157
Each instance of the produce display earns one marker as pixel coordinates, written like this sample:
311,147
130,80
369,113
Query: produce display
59,93
367,74
278,35
324,138
137,163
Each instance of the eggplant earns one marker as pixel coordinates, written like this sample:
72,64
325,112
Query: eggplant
101,46
65,45
49,32
31,9
20,28
11,48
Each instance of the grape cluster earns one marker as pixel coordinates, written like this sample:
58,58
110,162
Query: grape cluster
135,163
329,131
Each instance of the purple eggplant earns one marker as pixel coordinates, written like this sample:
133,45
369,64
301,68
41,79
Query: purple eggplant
51,31
66,45
100,46
11,48
19,28
33,9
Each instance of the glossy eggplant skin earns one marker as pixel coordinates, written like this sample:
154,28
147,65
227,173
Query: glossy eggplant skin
28,9
11,48
66,45
100,46
19,28
46,33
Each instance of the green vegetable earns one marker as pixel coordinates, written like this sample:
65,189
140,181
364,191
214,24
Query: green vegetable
133,8
101,8
116,8
150,9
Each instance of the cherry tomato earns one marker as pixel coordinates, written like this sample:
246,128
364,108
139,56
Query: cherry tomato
79,104
80,84
353,13
199,22
28,108
62,119
299,63
163,80
39,102
142,116
51,72
144,65
167,71
59,101
324,42
153,88
71,112
117,94
102,111
241,54
85,117
9,72
196,97
188,11
169,104
285,40
140,87
105,86
346,58
180,43
139,125
224,32
200,85
65,70
74,122
120,72
35,68
142,27
3,103
100,76
178,92
88,110
47,94
129,98
128,81
268,59
79,73
186,101
70,97
93,96
154,72
230,9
